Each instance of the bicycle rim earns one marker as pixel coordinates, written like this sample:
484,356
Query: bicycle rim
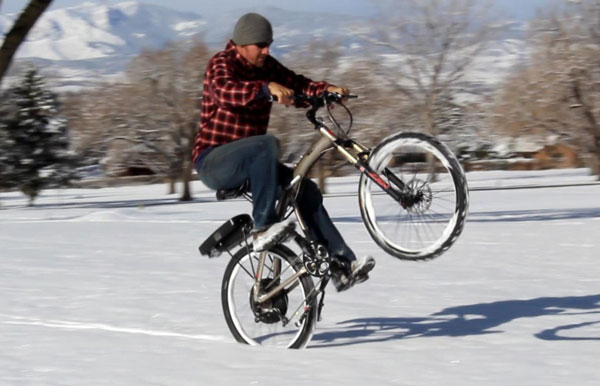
268,330
428,226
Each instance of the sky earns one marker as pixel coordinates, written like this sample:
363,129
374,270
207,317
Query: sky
521,9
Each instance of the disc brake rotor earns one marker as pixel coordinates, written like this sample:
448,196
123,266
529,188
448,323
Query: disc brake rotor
420,197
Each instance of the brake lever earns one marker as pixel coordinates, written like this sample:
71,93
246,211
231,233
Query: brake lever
337,97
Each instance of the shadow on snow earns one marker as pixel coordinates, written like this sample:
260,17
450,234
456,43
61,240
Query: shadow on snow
476,319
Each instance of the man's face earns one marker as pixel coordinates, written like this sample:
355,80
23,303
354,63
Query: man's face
255,54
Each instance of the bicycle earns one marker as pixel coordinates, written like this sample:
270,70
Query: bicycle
413,199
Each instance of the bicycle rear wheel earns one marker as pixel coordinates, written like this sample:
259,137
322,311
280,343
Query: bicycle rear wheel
432,214
288,319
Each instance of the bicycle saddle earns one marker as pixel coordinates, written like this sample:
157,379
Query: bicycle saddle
228,194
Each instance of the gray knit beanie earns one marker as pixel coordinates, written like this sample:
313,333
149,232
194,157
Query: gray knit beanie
252,28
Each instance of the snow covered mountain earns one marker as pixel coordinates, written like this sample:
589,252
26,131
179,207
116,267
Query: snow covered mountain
80,45
91,30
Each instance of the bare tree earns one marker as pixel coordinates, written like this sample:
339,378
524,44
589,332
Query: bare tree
170,83
19,31
149,122
559,92
430,45
88,113
579,37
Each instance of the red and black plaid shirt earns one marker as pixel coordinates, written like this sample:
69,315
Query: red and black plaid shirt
235,102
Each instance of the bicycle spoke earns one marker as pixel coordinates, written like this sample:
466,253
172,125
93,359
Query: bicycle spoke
250,274
278,277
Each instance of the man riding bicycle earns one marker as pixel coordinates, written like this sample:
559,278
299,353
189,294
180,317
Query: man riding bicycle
232,146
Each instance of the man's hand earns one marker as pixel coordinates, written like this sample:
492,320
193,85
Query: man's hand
339,90
284,95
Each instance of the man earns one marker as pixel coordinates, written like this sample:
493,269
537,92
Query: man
232,146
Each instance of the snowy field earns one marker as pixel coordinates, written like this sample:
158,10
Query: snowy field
106,287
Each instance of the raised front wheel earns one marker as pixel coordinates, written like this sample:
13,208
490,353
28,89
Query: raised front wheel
434,198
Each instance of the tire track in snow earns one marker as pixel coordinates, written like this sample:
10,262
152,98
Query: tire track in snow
78,326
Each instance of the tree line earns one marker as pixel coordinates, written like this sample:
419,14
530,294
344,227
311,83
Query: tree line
149,120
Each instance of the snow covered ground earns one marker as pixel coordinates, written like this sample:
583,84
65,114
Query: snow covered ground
106,287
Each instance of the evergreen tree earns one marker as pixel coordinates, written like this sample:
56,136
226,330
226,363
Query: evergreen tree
35,144
7,174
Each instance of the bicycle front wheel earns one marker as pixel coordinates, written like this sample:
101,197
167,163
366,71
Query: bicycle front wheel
286,320
435,197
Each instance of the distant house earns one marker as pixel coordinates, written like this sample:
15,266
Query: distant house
529,153
557,156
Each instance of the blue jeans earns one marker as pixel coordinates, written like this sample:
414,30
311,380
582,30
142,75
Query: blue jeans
257,159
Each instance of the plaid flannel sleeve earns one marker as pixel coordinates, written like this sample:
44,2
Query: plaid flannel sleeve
299,83
228,92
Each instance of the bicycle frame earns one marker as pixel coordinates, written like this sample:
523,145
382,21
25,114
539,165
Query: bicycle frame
355,153
327,142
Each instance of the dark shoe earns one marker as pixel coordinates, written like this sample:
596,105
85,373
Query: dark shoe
346,273
275,234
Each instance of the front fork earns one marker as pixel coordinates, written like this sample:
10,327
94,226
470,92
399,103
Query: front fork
358,156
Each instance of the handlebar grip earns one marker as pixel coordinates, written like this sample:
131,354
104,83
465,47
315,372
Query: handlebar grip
342,96
296,98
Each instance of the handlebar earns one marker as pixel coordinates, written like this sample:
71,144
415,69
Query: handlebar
316,102
326,96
